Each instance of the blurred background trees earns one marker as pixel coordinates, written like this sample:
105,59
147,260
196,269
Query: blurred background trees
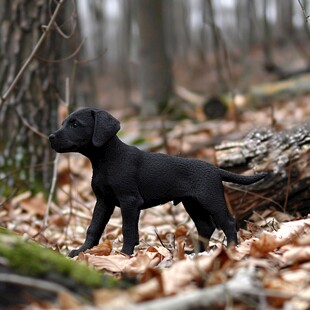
210,46
133,54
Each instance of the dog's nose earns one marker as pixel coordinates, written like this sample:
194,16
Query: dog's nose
51,137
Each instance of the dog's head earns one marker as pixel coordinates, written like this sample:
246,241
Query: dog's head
84,128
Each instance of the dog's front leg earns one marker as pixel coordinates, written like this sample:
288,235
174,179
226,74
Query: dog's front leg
130,215
101,215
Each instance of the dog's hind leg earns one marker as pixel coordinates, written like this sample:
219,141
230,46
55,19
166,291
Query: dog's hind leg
216,206
202,220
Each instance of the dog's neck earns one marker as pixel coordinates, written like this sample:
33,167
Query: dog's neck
100,155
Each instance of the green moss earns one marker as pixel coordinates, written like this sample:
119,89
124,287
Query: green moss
28,258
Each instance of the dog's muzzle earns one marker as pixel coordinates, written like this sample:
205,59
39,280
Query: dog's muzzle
52,139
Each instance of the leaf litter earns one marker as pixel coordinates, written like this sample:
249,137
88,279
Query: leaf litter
274,248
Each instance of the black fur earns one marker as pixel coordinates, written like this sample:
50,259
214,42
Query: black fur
133,180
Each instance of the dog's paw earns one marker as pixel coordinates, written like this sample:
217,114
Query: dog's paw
75,252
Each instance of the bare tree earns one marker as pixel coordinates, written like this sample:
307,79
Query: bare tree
216,40
155,70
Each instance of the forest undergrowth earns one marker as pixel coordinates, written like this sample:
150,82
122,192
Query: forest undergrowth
269,269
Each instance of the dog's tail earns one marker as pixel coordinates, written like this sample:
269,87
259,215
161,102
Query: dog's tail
241,179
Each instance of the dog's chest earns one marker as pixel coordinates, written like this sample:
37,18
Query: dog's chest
104,182
100,182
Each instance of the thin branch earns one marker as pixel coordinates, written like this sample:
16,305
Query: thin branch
87,61
5,96
255,195
33,129
51,193
55,168
74,23
55,61
304,11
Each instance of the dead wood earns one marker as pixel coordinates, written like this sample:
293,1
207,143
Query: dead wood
244,286
285,154
255,97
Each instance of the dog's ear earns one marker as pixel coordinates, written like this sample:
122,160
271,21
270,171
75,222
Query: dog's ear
106,127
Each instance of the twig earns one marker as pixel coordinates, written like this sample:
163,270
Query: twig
49,200
304,11
74,23
33,129
256,195
5,96
51,193
55,168
161,242
56,61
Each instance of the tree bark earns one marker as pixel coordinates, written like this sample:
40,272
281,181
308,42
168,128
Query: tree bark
286,155
216,40
30,113
155,67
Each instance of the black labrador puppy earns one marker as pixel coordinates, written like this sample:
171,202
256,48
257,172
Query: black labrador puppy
134,180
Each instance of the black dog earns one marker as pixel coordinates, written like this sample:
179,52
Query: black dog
134,180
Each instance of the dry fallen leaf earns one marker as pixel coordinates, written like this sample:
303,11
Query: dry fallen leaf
103,248
266,243
118,263
67,301
297,255
187,271
102,297
288,232
35,205
111,263
149,290
300,301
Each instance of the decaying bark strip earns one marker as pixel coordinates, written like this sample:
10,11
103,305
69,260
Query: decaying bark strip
286,154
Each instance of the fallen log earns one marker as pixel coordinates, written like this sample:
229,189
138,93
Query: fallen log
30,272
255,97
285,154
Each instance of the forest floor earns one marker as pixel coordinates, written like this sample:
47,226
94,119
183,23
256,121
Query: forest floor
269,269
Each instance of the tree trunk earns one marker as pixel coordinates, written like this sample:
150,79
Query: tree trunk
30,113
155,68
268,57
210,21
286,154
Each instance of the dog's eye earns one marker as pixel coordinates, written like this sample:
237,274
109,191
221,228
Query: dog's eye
74,125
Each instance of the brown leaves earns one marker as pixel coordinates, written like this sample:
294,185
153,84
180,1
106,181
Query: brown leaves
35,205
277,251
281,259
274,247
103,249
